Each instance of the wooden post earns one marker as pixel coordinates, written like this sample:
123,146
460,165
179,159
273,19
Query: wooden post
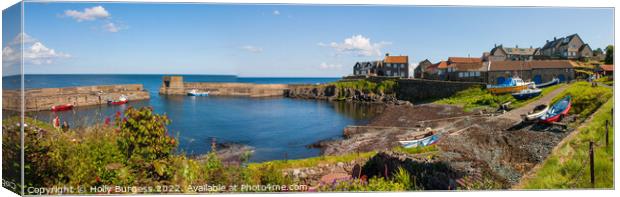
592,163
606,133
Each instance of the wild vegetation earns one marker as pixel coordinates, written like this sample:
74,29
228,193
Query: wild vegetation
585,98
385,87
479,97
137,149
568,165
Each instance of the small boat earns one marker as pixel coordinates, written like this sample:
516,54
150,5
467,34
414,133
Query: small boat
64,107
547,84
557,111
425,141
511,85
195,92
121,100
538,111
526,94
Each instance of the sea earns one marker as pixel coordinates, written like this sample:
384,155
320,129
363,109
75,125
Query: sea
275,128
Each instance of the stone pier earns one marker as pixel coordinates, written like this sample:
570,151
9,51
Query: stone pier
174,85
44,98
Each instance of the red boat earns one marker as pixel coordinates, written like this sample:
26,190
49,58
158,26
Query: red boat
64,107
122,100
557,111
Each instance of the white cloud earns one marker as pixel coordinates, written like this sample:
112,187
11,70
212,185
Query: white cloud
357,45
252,49
276,12
34,52
88,14
327,66
111,27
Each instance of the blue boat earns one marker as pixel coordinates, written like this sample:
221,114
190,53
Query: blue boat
526,94
547,84
197,93
427,141
557,111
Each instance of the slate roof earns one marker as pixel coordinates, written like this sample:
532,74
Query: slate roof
529,65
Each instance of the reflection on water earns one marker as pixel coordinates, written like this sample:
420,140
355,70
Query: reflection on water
273,126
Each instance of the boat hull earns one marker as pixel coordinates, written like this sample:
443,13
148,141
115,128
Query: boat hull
427,141
62,107
117,102
197,94
507,89
556,116
526,95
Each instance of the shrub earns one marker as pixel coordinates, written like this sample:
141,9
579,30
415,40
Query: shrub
144,135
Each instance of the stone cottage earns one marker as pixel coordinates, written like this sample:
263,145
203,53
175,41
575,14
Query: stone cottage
569,47
390,66
538,71
501,53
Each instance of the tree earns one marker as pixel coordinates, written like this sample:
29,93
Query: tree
609,54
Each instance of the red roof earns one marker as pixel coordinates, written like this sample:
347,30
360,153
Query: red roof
607,67
396,59
442,64
464,59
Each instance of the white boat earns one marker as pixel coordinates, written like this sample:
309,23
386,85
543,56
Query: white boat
538,112
549,83
195,92
514,84
426,141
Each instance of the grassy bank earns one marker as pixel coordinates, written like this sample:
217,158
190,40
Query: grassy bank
365,86
568,167
479,97
585,98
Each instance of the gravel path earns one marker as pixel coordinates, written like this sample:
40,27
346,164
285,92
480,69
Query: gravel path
515,114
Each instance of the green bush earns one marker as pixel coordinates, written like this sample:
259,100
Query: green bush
365,86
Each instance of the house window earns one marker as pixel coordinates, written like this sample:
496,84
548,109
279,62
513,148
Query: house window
389,72
460,75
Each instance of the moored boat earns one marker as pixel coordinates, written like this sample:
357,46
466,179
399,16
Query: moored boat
535,114
426,140
526,94
557,111
195,92
121,100
64,107
511,85
547,84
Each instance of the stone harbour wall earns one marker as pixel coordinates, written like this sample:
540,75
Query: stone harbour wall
44,98
174,85
418,90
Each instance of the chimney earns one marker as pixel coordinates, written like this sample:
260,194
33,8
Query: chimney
495,45
387,54
554,38
530,46
517,46
547,41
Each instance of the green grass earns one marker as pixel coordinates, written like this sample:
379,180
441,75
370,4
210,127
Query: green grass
383,87
478,97
568,166
313,161
416,150
585,98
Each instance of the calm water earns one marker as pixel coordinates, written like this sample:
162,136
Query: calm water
272,126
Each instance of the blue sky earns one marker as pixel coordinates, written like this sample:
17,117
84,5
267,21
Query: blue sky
281,40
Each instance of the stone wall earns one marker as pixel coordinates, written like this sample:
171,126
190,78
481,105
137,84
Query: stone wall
418,90
45,98
174,85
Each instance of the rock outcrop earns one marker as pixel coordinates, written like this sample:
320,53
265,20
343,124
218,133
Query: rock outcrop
332,93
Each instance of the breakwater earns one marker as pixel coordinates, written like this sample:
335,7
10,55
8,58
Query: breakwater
44,98
174,85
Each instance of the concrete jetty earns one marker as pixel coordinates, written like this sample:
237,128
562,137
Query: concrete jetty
44,98
174,85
